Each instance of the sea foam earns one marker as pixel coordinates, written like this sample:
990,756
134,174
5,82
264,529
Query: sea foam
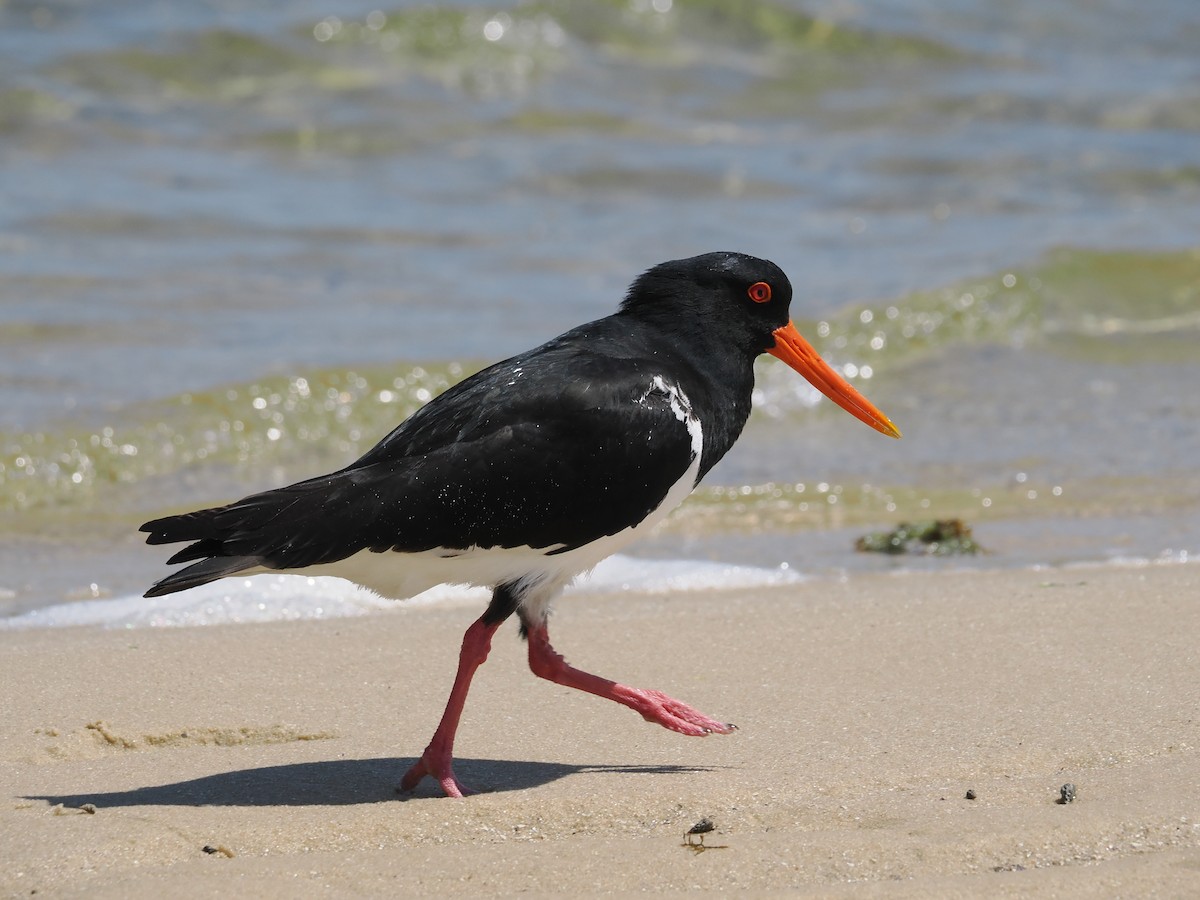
272,598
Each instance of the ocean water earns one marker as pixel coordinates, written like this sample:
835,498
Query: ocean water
240,242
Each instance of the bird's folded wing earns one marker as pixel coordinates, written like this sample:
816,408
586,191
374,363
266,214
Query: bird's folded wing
553,467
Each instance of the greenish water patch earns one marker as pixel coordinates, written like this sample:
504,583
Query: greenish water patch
543,120
477,51
784,57
24,107
759,22
21,333
363,139
216,66
488,51
1109,305
1105,292
652,33
670,183
1134,113
291,424
1174,113
38,121
802,506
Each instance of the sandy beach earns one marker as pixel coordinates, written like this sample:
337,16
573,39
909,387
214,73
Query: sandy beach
867,708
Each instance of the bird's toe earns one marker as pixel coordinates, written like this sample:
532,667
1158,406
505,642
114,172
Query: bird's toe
655,706
438,767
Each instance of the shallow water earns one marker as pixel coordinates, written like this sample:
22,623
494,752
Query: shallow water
238,245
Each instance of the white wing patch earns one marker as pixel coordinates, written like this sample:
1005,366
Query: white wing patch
681,407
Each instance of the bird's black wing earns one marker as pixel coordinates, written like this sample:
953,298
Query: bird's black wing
553,455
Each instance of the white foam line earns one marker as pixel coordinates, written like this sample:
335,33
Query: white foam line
273,598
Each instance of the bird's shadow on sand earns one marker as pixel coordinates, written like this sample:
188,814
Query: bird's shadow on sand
341,782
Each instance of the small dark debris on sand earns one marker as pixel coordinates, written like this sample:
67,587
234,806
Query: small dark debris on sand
932,537
971,795
1066,793
701,828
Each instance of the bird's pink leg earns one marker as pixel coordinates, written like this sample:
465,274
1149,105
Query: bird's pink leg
654,706
437,760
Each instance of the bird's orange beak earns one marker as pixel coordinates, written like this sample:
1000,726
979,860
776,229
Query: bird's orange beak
800,355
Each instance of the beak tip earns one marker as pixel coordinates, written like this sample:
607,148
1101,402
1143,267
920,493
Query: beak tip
793,349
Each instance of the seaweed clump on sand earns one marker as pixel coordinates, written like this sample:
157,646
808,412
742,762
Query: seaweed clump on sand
932,537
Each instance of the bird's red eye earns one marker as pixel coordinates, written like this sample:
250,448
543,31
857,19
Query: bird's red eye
760,292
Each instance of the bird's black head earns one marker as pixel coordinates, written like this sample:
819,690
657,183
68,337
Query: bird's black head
730,306
739,299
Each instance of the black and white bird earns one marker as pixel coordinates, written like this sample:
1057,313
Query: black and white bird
530,472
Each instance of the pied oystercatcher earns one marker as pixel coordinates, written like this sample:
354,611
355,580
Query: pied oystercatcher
530,472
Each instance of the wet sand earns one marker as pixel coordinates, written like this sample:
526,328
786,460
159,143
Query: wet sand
867,710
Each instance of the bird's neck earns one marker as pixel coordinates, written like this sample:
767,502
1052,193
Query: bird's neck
720,391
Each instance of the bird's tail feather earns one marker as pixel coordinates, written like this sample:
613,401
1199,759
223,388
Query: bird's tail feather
201,573
272,530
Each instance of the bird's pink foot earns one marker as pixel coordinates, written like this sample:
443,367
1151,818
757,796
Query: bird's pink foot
438,759
439,767
655,706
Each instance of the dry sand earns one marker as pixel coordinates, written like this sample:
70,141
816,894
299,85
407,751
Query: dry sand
867,708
